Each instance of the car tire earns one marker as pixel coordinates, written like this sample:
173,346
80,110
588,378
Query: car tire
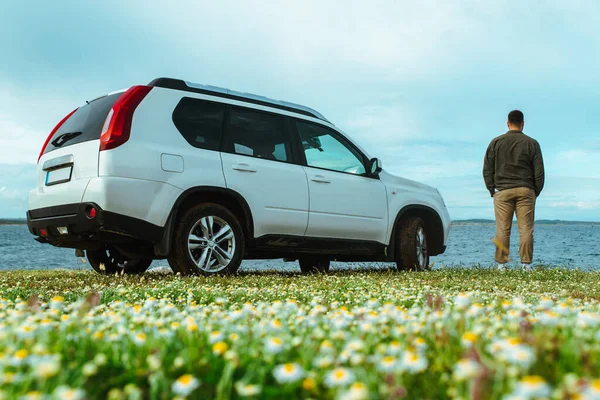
412,254
208,240
311,265
109,261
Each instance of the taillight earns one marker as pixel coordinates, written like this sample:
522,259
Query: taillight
117,125
62,121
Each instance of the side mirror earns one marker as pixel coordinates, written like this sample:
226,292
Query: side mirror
375,167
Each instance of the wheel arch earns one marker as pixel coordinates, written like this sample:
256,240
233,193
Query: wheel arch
433,226
231,199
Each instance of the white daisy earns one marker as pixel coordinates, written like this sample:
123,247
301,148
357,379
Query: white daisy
288,373
357,391
274,345
388,364
215,336
139,338
413,362
67,393
466,369
592,390
46,367
532,386
339,377
185,385
246,390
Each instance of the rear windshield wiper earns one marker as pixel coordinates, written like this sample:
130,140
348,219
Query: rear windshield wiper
64,138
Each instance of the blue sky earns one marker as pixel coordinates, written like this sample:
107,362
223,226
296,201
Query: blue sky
424,86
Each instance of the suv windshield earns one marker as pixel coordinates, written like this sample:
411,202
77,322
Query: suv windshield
84,125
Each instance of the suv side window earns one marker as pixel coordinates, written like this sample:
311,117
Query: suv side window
200,122
323,150
259,134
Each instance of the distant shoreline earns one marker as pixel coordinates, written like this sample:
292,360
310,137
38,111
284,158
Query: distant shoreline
14,222
538,222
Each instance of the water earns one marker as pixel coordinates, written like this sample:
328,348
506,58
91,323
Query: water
570,246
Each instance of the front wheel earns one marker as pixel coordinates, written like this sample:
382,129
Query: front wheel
412,244
208,240
109,261
309,265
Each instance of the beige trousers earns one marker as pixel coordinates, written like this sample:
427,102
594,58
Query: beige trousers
506,202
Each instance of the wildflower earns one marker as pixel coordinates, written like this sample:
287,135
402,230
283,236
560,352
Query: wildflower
33,395
549,318
462,300
185,385
47,367
100,359
219,348
468,339
273,345
420,344
323,362
308,384
357,391
339,377
414,363
89,369
19,357
246,390
215,336
67,393
466,369
532,386
276,325
388,364
394,347
288,373
140,338
521,355
592,390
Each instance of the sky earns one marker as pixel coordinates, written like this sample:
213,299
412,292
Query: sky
424,86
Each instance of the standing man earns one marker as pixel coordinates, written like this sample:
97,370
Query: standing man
513,170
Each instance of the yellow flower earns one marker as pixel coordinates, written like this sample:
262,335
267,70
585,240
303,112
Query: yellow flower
308,384
21,354
219,348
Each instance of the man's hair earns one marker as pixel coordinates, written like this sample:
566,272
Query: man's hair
515,117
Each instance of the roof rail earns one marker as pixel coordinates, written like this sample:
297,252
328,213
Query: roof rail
179,84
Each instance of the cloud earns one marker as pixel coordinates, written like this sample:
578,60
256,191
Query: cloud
580,205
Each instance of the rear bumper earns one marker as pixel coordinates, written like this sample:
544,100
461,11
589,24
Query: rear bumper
85,232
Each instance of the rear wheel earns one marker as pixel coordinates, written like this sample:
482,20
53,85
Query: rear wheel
412,245
309,265
208,240
110,261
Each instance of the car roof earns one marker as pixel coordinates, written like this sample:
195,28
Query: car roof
179,84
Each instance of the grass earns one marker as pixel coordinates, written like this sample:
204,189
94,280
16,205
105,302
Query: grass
447,333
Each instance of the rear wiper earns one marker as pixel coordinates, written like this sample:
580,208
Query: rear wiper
64,138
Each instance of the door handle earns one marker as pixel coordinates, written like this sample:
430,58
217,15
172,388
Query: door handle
244,167
320,179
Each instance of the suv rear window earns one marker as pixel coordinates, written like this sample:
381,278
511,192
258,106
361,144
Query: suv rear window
87,122
259,134
200,122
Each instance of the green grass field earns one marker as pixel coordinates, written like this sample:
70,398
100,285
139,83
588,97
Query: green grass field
449,333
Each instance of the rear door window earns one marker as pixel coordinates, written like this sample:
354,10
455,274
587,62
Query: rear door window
200,122
259,134
84,125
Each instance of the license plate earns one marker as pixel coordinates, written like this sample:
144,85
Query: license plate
60,175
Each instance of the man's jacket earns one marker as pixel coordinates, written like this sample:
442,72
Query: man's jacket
513,160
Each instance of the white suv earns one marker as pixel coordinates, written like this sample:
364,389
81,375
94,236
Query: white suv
206,177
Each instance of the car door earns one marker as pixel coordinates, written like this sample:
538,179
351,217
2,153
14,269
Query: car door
345,202
258,164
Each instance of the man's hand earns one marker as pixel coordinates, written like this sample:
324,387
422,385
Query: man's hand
492,193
